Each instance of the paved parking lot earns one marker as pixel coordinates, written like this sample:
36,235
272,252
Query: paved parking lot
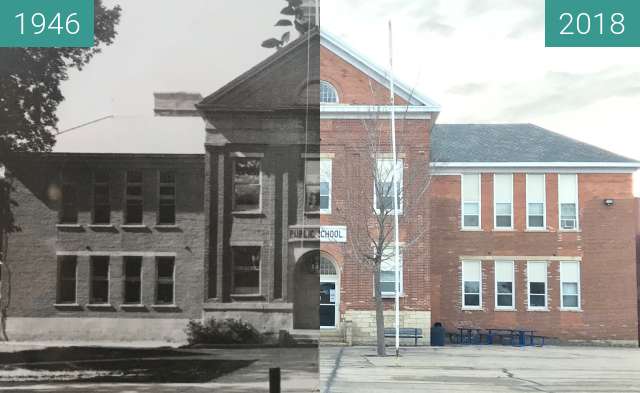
473,369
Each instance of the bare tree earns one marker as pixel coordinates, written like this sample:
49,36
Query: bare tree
368,209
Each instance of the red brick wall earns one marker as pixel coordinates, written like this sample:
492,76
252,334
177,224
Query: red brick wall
346,141
605,244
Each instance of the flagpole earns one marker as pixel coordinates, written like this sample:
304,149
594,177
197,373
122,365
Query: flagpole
395,195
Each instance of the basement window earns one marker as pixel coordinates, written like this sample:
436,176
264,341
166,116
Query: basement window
133,280
165,280
246,270
99,287
134,201
67,279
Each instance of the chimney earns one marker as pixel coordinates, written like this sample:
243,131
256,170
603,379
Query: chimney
176,104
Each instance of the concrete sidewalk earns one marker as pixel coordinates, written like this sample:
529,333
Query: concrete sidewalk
472,369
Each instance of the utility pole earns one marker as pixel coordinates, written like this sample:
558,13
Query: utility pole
395,195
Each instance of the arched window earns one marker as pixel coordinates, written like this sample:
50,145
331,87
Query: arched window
328,93
327,267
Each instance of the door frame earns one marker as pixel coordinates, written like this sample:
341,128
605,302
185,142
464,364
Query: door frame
335,279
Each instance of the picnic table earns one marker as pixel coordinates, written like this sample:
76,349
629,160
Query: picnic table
517,336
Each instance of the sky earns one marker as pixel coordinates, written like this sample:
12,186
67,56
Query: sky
482,60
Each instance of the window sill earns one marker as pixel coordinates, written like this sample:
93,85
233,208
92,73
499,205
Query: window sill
538,309
472,309
165,307
102,226
505,309
128,307
69,226
133,226
251,213
100,306
245,297
471,229
567,309
570,230
391,295
536,230
67,306
503,230
314,214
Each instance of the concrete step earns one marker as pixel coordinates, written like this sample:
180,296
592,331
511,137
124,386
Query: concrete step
304,337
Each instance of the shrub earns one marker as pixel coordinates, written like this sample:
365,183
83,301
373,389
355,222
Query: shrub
228,331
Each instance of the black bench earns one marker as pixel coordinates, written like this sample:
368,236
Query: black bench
414,333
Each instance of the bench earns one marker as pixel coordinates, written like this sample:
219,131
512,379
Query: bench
414,333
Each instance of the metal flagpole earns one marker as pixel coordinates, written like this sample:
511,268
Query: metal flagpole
395,194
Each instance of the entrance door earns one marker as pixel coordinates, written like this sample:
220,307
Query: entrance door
327,304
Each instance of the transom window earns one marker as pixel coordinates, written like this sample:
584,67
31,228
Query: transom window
328,93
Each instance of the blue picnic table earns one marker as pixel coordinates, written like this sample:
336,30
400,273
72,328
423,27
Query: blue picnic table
517,337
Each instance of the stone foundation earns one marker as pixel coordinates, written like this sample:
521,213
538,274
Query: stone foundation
363,326
265,317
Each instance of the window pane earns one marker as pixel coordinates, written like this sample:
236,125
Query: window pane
133,276
567,190
100,266
537,287
67,280
471,287
247,197
324,202
505,287
471,187
68,268
536,209
99,292
472,208
570,301
503,221
536,221
69,204
503,188
328,93
313,198
167,177
471,221
164,294
570,288
535,188
471,300
505,301
503,209
134,176
537,301
165,267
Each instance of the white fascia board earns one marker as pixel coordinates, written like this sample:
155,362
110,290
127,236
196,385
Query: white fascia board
582,167
337,111
365,65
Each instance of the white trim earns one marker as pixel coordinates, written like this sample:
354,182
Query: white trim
335,278
562,306
330,163
518,258
546,287
577,202
341,111
335,91
495,203
399,163
464,306
513,287
260,158
479,202
625,167
544,203
337,46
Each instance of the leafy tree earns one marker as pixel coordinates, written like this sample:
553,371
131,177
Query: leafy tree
29,97
294,15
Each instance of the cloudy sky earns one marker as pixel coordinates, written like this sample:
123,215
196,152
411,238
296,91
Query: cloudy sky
482,60
485,61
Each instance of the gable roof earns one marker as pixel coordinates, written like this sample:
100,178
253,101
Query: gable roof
361,62
515,144
274,83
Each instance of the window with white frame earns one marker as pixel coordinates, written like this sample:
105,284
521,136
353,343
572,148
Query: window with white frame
325,185
388,272
245,279
504,285
471,284
537,284
570,285
536,201
312,185
471,201
383,185
503,200
328,93
568,201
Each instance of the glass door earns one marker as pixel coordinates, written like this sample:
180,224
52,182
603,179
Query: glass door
327,304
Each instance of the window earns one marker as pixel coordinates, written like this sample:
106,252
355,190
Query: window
536,201
537,281
164,284
132,280
383,185
504,285
246,270
134,204
568,200
325,186
246,184
328,93
570,285
388,272
69,213
312,185
471,284
67,279
167,199
99,288
471,200
503,195
101,203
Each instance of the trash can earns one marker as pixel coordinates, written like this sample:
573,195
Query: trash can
437,335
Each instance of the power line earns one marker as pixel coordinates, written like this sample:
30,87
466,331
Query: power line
84,124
